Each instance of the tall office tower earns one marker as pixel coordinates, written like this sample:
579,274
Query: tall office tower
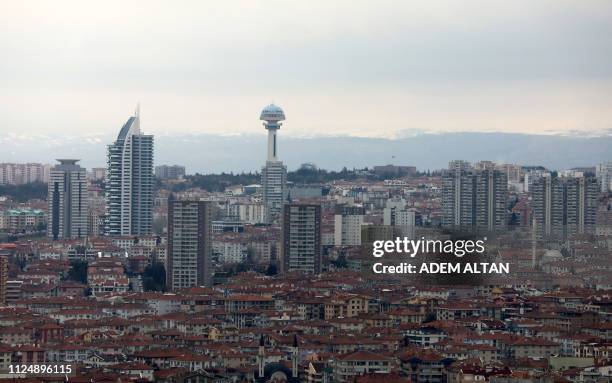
129,181
474,200
563,206
274,173
301,238
189,256
347,225
604,176
67,199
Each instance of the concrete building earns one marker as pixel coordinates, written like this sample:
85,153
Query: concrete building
19,174
274,173
249,212
130,181
169,172
67,199
604,176
301,238
22,220
400,217
347,225
563,206
97,174
474,200
189,256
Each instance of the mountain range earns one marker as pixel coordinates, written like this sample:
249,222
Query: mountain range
213,153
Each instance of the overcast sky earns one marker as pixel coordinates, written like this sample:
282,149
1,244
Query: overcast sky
365,68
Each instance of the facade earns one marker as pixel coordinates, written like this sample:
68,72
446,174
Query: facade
358,363
347,225
301,238
130,181
169,172
563,206
19,174
604,176
252,212
3,278
67,200
474,200
189,256
274,173
397,214
22,220
97,174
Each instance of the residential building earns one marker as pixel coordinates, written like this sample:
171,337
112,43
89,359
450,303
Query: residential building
67,200
347,225
604,176
301,238
474,200
169,172
189,256
563,206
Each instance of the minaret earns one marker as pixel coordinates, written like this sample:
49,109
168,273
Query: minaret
294,357
260,358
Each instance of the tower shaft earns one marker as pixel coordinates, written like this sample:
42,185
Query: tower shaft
272,154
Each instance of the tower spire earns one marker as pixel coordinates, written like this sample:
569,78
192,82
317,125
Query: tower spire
137,112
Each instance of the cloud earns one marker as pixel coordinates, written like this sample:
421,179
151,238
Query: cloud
341,67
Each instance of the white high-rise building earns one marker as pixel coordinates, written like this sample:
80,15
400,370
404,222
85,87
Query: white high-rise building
347,225
67,198
604,176
129,181
396,214
274,173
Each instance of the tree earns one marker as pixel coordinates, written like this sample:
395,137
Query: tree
271,270
78,271
340,262
154,277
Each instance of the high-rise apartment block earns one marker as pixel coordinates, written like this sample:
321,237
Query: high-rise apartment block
274,173
67,200
130,181
169,172
189,256
301,238
474,200
564,206
347,225
604,176
19,174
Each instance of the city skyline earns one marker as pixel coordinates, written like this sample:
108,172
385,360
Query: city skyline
336,68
